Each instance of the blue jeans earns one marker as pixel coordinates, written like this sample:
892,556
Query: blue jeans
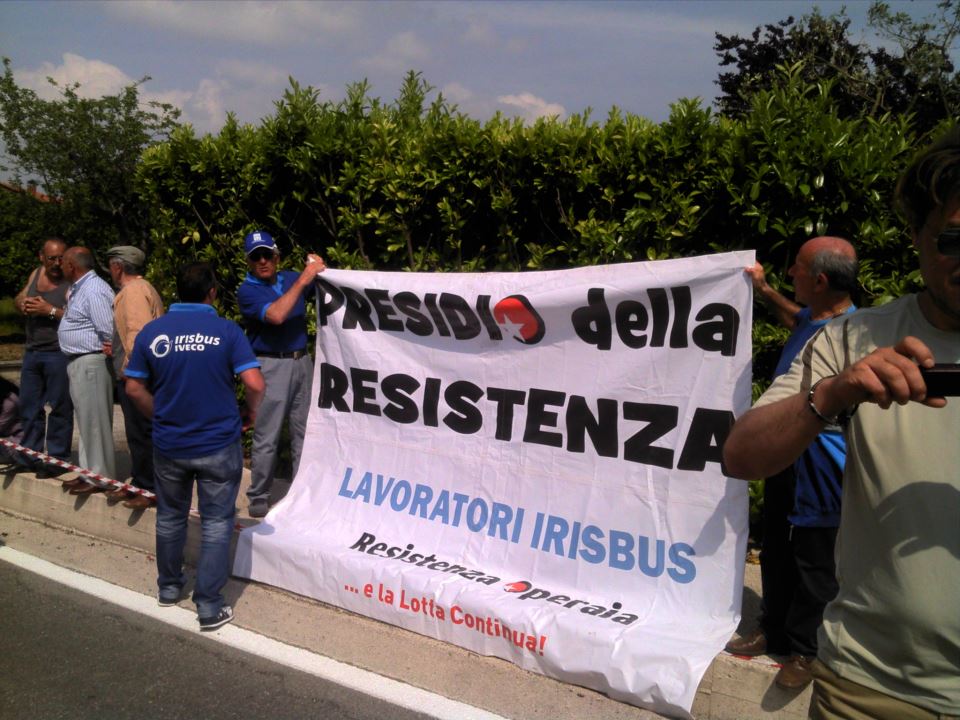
218,482
43,380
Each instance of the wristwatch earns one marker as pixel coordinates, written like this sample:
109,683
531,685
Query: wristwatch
53,313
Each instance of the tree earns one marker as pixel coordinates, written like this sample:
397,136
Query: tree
24,218
921,79
83,152
822,44
917,78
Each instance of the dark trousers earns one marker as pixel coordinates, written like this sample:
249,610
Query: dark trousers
139,430
813,549
797,572
778,571
43,381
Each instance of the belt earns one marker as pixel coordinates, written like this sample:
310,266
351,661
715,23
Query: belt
80,355
294,355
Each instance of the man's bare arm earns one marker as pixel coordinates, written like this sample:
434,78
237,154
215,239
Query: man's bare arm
280,308
784,308
22,295
140,395
254,385
768,438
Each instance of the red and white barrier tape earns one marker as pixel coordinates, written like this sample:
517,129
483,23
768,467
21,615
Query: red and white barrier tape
89,476
86,475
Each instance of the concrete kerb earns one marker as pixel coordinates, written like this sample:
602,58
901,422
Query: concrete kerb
732,688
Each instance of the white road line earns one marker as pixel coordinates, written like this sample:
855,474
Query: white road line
368,683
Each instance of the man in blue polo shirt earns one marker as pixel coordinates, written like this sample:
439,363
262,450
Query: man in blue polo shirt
801,505
274,311
181,373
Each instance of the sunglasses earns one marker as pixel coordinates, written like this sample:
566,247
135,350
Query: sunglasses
948,242
258,255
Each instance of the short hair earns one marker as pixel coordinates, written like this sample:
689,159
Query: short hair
194,281
43,243
840,269
930,181
128,268
82,258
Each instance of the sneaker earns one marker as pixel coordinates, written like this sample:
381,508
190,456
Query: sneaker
169,596
224,616
258,508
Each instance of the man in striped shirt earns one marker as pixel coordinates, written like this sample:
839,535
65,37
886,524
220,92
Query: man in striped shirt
85,330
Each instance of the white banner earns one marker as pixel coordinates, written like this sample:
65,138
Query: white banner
528,465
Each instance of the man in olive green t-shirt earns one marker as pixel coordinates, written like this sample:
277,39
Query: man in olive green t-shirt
889,646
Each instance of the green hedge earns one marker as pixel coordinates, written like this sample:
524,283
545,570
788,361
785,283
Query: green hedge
413,185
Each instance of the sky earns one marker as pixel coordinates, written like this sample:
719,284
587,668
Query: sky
525,59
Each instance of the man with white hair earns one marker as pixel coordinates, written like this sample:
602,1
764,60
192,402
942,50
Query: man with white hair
136,304
86,329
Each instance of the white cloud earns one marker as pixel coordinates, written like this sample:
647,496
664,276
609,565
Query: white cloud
532,107
204,107
467,101
247,88
252,23
251,72
456,92
236,84
479,31
614,19
96,77
403,52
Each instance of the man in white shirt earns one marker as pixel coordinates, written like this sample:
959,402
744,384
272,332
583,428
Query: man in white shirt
85,330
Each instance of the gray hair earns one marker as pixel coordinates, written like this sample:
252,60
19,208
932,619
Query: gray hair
128,268
840,269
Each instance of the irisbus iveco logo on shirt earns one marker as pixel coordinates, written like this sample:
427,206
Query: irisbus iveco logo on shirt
442,314
193,342
160,347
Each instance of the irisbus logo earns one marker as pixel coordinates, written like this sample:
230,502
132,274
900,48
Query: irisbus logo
432,314
160,347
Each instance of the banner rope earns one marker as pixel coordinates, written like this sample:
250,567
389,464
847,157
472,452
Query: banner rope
86,475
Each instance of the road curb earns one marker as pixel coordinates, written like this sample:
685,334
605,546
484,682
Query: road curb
731,689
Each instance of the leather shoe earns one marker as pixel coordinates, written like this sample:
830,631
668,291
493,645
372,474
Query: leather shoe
118,494
86,489
72,483
139,502
749,645
51,471
795,673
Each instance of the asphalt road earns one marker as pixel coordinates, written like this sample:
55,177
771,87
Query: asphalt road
65,654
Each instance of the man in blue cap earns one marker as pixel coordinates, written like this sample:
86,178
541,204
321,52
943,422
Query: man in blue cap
273,306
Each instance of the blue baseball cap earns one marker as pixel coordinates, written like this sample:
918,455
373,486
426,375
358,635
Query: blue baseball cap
259,239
